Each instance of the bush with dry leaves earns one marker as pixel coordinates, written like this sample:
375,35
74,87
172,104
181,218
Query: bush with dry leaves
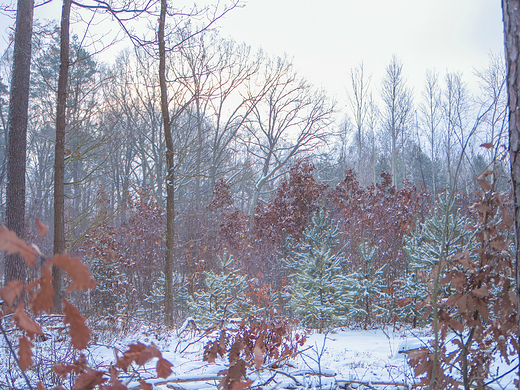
40,299
478,320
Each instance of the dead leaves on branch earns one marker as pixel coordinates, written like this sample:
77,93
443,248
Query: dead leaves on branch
251,346
81,277
79,332
24,322
42,228
25,354
10,243
11,291
41,294
480,311
42,299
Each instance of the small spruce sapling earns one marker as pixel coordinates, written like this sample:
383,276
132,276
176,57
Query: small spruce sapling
224,295
440,237
180,295
411,296
423,245
363,289
317,274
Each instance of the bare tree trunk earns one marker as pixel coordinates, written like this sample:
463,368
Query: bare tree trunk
17,145
511,16
59,152
170,201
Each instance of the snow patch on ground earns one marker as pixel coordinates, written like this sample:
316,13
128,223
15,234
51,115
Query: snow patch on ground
374,357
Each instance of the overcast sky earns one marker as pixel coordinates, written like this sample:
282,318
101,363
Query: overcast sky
326,38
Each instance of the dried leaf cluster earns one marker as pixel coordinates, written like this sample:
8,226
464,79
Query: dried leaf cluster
40,293
479,315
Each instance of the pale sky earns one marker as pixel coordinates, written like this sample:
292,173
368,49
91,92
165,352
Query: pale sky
326,38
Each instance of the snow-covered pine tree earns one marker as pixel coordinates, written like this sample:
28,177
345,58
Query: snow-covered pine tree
441,236
363,289
224,295
179,294
410,296
317,274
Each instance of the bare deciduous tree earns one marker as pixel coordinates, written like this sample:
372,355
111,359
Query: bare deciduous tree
430,109
292,119
359,102
396,115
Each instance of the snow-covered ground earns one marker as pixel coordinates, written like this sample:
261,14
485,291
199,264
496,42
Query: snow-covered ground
357,357
363,359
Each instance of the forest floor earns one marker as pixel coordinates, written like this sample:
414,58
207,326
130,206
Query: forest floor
346,359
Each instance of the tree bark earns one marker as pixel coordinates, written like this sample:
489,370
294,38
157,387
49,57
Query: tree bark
170,193
59,152
17,144
511,16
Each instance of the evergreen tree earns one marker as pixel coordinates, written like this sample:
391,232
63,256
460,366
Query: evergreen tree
224,295
411,296
317,274
179,294
364,288
441,236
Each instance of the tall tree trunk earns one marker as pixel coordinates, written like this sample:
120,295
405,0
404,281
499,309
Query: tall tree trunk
170,201
17,145
511,16
59,152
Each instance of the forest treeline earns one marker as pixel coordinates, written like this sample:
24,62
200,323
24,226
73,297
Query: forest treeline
258,149
244,118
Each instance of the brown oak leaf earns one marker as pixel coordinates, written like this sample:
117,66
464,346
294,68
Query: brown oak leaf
10,243
40,386
42,300
11,291
79,332
114,383
484,184
146,386
241,385
42,228
138,353
163,368
63,369
258,351
81,277
25,353
89,379
481,292
23,321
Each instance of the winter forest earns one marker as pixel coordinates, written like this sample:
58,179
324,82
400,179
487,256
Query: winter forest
197,214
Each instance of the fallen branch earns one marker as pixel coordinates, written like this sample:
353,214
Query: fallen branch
371,384
181,379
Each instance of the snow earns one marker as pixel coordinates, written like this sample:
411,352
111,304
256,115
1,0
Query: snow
362,358
375,357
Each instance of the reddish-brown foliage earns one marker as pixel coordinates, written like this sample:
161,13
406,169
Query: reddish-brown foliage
24,322
42,228
379,213
79,332
25,353
81,276
10,243
480,314
11,291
